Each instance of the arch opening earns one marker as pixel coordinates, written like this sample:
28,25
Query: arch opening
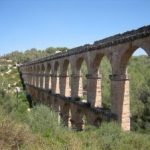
31,76
56,68
38,76
65,89
55,78
48,82
43,76
105,71
101,70
34,76
82,72
135,64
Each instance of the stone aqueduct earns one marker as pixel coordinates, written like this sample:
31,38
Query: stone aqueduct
62,91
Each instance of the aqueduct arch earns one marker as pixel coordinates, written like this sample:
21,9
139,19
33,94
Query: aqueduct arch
64,79
118,49
48,76
55,77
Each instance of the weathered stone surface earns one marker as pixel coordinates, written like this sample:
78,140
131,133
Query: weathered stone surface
63,91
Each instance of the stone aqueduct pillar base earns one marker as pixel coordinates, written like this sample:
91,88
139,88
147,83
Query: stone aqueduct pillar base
94,96
48,81
121,100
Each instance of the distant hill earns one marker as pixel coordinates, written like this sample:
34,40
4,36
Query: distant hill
20,57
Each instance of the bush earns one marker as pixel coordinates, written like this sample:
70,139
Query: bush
14,135
43,120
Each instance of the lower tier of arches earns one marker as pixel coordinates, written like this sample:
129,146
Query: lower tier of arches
73,113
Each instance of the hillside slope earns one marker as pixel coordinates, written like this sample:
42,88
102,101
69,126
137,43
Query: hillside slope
39,129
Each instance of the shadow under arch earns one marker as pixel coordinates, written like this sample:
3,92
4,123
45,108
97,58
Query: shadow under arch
38,76
65,66
34,77
65,113
56,68
31,77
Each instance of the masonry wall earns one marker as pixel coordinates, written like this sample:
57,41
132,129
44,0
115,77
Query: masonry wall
49,82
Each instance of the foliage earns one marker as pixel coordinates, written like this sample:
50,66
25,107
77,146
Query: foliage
39,128
139,71
43,120
20,57
16,135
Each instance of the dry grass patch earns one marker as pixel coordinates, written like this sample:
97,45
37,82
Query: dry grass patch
14,136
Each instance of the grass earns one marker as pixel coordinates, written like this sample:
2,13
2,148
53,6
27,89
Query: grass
39,129
16,135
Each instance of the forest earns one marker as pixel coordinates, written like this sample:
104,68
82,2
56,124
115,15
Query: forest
39,128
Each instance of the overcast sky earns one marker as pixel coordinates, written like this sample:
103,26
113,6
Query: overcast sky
26,24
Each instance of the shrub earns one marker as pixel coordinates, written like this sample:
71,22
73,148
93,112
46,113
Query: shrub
43,120
13,135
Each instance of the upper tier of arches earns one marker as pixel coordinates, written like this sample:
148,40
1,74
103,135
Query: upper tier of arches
61,73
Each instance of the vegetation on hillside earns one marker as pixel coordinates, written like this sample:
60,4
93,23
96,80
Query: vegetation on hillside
39,128
20,57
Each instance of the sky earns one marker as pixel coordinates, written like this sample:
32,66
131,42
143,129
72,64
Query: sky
26,24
